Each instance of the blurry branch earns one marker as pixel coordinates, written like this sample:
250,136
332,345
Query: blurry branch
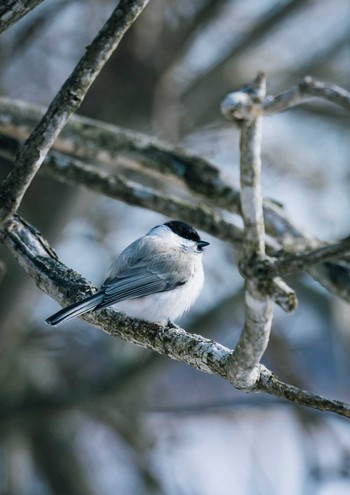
76,173
67,100
291,263
2,270
246,40
12,11
54,451
181,40
66,286
306,88
91,140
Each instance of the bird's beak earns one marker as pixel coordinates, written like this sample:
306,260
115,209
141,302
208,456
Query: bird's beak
202,244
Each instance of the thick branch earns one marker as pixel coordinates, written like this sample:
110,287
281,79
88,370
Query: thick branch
64,104
13,10
66,286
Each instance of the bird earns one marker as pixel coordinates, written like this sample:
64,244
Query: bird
157,278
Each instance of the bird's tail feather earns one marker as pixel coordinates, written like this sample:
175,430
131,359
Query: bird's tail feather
76,309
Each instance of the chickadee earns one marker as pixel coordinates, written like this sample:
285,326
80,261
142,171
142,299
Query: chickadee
156,278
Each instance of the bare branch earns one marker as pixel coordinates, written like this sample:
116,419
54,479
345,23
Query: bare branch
306,88
244,361
12,11
39,260
202,215
92,140
64,104
66,286
263,25
297,261
269,383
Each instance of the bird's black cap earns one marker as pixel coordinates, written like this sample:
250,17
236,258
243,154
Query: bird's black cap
186,231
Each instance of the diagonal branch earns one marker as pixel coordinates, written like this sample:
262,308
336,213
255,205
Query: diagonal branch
93,141
75,172
66,286
64,104
12,11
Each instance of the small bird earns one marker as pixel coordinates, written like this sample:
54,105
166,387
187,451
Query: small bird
156,278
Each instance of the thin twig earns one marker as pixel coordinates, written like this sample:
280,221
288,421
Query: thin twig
297,261
12,11
64,104
66,286
269,383
306,88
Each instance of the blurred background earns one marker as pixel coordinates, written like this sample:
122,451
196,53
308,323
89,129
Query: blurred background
84,413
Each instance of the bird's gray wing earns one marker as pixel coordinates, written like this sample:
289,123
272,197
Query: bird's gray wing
139,281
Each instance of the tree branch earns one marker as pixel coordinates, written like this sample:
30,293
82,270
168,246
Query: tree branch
94,141
64,104
75,172
12,11
270,384
297,261
244,361
306,88
66,286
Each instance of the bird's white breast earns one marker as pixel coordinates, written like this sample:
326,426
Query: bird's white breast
167,305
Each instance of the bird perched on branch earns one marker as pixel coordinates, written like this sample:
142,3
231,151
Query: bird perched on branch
156,278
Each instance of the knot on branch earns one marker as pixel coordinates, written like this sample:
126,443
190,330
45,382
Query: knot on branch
244,105
305,85
257,268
